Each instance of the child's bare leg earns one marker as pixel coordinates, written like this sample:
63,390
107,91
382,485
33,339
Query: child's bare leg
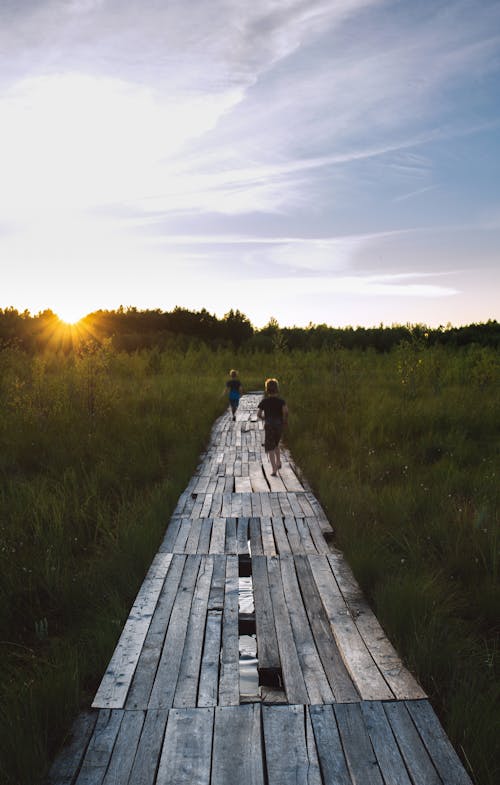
272,458
278,457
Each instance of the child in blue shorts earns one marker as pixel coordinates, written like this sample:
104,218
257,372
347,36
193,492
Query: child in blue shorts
234,389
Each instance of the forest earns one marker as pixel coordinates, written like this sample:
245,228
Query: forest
130,329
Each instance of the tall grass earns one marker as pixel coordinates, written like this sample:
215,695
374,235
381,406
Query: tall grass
401,448
403,451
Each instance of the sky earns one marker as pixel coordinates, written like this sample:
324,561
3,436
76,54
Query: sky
316,162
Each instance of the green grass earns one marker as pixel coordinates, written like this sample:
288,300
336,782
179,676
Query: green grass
401,448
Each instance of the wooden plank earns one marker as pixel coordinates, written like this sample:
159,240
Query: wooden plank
255,537
275,505
218,540
290,479
437,744
317,685
267,535
246,505
122,758
256,505
267,642
170,537
293,679
319,513
389,758
112,692
187,749
193,536
229,691
329,746
401,682
165,682
231,546
412,748
297,510
201,485
216,505
281,540
293,535
308,545
197,507
142,682
317,536
358,751
205,535
242,485
207,504
265,504
100,747
357,658
67,762
338,677
236,505
275,483
217,589
257,478
243,535
209,675
306,507
286,509
226,504
149,749
290,751
189,671
182,536
237,750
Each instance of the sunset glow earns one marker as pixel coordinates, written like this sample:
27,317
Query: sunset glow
339,154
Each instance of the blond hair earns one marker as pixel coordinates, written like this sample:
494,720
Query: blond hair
233,373
272,386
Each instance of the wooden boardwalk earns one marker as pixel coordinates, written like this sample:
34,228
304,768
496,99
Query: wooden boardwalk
334,706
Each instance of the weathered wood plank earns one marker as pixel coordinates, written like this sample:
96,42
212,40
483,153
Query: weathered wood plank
237,749
122,758
246,505
256,505
286,509
275,483
242,484
317,685
293,535
112,692
384,744
361,760
265,504
257,478
280,537
216,598
290,751
415,755
337,674
275,505
357,658
293,678
317,536
165,682
209,675
308,545
243,536
229,691
267,535
182,536
290,479
142,681
193,536
187,748
218,539
207,504
329,746
267,642
255,537
189,671
96,760
149,748
437,744
306,507
401,682
231,546
205,535
170,537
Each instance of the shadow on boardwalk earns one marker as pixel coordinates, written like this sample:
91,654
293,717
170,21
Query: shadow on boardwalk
335,706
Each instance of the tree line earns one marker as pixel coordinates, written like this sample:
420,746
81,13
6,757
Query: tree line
131,329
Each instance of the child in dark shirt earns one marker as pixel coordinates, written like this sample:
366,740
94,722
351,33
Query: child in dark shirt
273,410
234,388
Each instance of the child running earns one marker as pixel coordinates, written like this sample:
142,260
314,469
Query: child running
273,410
234,388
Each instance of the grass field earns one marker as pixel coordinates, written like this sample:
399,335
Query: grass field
400,447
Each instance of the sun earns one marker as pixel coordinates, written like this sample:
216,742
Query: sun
70,314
